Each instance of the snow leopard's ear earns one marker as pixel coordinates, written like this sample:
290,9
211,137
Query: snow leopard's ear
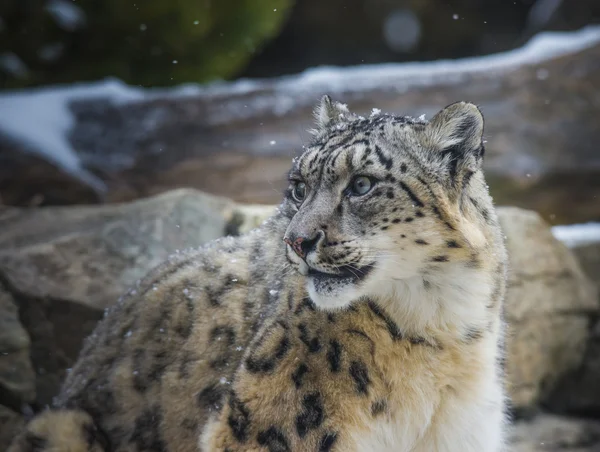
455,135
457,129
328,113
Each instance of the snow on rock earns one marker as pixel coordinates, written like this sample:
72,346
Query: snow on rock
41,119
575,235
402,76
541,47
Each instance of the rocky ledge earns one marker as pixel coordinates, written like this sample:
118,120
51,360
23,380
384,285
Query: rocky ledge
60,267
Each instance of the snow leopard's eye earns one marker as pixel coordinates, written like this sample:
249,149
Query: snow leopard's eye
299,191
361,185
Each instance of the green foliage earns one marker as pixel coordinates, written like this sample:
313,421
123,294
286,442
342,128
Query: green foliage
142,42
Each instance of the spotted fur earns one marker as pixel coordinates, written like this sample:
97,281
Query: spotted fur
364,316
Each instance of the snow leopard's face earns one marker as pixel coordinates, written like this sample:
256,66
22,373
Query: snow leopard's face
376,200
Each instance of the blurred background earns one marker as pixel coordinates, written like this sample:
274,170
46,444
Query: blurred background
164,43
223,92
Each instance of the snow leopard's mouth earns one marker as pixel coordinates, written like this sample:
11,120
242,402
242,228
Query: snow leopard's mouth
348,274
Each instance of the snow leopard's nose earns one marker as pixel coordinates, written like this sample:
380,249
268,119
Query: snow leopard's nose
302,245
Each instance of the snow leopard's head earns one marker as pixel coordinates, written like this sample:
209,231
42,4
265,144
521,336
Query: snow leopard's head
377,200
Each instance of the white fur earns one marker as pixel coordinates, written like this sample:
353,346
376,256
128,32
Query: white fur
469,420
458,425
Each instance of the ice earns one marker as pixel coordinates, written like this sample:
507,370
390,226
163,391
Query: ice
575,235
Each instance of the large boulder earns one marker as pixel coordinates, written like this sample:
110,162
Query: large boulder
550,304
64,266
578,391
114,142
90,255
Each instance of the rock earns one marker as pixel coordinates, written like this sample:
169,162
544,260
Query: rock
10,424
237,139
90,255
64,266
30,180
579,392
588,254
17,380
547,432
549,307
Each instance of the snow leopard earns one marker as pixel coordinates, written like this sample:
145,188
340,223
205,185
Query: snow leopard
364,315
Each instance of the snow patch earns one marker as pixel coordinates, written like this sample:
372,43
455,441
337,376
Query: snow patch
575,235
541,47
41,120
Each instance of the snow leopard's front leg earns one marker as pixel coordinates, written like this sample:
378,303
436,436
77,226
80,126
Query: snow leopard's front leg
460,426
